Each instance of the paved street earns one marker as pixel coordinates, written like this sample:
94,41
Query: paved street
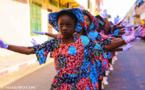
129,70
128,74
40,79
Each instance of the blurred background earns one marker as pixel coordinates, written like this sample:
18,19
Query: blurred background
18,18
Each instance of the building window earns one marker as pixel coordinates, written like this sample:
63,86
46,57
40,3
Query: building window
67,5
43,0
88,4
62,6
35,17
53,2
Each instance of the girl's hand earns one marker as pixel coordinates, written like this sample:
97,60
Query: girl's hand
126,48
34,42
138,31
116,20
104,15
38,32
133,36
129,26
3,45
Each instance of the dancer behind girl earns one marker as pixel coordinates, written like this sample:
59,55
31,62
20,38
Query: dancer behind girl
92,26
115,29
46,33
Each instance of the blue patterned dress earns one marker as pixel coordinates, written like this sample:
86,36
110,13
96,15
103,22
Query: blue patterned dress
74,69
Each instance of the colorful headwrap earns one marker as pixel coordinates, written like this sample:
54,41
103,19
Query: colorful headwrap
94,21
76,11
99,17
102,22
103,25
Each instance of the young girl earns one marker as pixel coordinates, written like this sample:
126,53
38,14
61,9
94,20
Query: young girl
68,51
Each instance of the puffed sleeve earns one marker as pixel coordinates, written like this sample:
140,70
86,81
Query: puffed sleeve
116,32
97,52
104,42
42,50
90,45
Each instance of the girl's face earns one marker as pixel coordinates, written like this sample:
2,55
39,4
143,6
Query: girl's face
87,21
66,26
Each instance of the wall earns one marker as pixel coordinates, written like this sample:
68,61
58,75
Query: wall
14,24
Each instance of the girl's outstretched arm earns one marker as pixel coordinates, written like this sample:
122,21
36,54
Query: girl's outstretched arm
45,33
127,26
117,49
119,27
125,40
19,49
52,35
125,48
114,45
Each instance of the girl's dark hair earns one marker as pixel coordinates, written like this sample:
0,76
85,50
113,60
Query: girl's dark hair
99,17
85,12
70,14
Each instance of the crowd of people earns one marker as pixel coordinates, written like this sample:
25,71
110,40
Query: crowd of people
84,49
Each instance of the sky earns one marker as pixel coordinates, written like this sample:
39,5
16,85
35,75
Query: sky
117,7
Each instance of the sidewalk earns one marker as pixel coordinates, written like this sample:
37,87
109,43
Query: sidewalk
15,62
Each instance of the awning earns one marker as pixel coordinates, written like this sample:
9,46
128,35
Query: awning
73,3
63,2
